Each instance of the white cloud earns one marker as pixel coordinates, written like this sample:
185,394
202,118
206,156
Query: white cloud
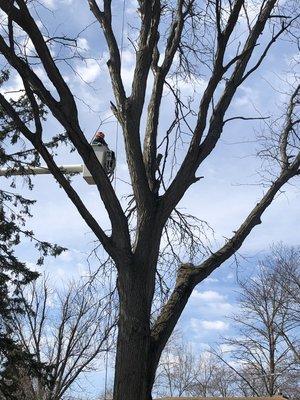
61,273
214,301
225,308
33,266
127,76
89,71
215,325
128,57
66,256
208,295
246,97
211,280
132,7
226,348
198,325
14,88
189,87
49,3
52,4
82,269
83,44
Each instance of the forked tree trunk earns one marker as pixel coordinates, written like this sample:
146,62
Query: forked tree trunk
133,344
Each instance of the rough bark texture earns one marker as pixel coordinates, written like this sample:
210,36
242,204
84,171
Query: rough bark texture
134,338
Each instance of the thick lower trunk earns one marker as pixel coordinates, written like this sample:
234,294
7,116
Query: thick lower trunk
133,345
132,362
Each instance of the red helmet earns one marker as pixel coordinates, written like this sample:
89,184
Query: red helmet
100,135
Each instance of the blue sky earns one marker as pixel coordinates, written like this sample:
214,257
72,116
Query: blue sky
223,198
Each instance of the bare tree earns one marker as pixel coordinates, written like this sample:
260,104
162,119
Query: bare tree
68,331
182,373
213,378
176,41
108,395
260,355
285,261
177,370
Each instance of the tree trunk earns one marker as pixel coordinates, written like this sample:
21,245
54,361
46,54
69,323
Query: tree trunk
133,344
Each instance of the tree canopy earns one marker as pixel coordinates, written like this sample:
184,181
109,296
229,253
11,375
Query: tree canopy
154,246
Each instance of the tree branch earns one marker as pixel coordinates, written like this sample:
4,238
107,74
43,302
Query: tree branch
58,175
70,123
284,139
150,15
150,141
23,18
127,109
189,276
114,63
197,152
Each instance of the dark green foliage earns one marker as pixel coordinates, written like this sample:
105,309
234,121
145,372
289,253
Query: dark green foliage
17,364
14,274
11,139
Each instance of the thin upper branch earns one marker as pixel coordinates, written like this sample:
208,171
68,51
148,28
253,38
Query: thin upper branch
23,18
114,64
150,16
198,151
150,141
284,139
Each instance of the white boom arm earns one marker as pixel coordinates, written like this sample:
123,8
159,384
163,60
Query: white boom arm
43,170
105,156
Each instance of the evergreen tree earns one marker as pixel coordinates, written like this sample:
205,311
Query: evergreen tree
14,274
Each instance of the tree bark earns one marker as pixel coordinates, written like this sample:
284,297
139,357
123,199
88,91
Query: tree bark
133,344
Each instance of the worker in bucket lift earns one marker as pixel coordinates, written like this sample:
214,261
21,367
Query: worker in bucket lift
110,157
99,139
